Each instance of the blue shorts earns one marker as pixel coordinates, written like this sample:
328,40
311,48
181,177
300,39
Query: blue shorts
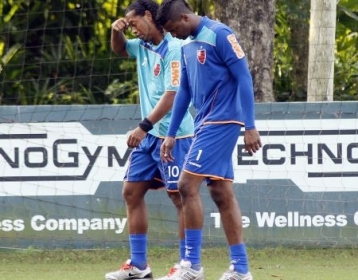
145,163
210,154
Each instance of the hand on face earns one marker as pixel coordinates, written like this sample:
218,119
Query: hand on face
120,25
141,26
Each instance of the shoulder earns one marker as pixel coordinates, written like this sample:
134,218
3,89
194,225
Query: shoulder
223,33
173,49
218,27
213,32
133,42
173,43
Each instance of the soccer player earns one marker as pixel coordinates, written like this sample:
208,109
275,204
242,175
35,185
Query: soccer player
158,57
216,79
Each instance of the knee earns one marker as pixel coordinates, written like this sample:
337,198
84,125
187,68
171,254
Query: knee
189,186
176,199
184,189
219,196
216,197
127,194
130,195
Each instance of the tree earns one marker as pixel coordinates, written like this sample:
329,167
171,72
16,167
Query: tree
58,52
253,21
321,50
297,15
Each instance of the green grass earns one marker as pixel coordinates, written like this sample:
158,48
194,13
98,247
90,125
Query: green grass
280,263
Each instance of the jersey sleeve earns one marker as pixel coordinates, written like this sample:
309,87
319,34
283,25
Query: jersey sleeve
132,47
231,53
172,69
181,102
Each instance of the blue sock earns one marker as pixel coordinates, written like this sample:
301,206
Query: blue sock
138,245
181,249
238,257
193,240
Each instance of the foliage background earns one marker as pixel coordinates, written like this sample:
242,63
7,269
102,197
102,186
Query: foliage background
58,52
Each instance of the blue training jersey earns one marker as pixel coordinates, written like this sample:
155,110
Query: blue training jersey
215,77
158,69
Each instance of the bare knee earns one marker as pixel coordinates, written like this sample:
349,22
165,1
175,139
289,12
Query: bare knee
176,199
217,196
129,195
183,188
222,194
133,192
187,188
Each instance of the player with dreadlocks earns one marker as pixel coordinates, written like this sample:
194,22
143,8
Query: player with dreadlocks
158,58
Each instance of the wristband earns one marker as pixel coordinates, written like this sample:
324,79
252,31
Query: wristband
146,125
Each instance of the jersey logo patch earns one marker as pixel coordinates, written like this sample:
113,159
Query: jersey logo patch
201,56
144,63
175,73
156,70
236,46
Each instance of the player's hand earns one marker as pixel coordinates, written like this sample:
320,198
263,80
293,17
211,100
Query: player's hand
252,141
135,137
166,149
120,25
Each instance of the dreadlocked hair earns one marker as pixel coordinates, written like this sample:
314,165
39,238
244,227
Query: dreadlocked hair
141,6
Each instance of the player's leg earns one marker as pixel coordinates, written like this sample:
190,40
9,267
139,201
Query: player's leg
137,220
224,198
176,199
174,271
171,172
222,194
189,187
138,180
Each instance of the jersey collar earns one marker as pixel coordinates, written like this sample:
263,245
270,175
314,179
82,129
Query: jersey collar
200,26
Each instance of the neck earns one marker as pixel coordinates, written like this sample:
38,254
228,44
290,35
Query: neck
157,37
195,19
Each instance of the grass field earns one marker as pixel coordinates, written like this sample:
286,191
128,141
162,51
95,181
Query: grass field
280,263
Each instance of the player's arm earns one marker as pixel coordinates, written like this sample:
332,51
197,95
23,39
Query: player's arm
234,57
240,71
171,85
163,106
118,39
232,54
181,103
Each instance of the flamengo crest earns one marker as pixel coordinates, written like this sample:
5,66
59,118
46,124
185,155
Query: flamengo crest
156,70
201,55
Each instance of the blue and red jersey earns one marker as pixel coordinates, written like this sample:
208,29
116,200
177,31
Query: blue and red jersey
215,78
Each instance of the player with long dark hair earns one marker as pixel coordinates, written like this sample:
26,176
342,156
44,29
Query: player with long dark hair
158,59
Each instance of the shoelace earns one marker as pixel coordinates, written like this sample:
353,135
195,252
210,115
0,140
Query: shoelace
172,271
125,266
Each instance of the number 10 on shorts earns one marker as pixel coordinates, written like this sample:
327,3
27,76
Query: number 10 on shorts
173,171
